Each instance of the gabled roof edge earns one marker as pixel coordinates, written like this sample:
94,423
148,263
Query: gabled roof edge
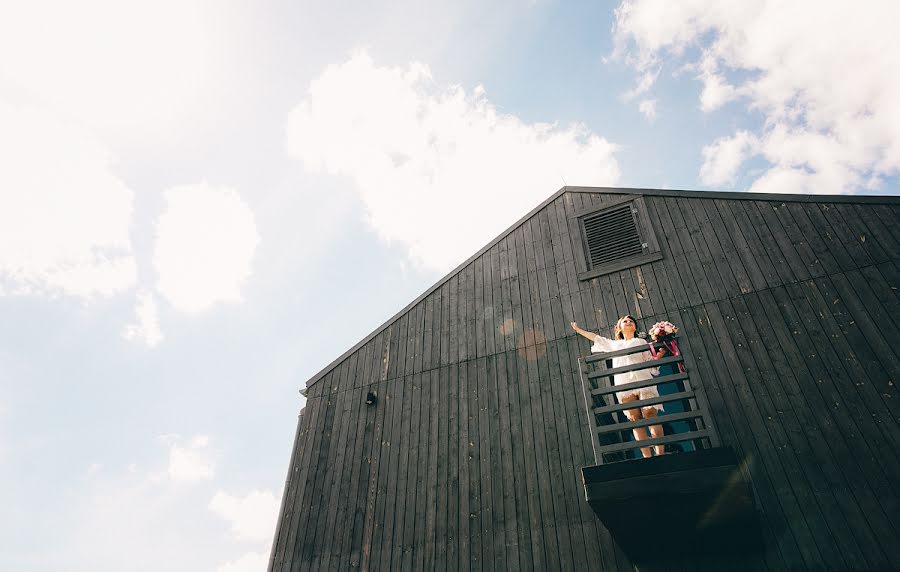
741,195
437,285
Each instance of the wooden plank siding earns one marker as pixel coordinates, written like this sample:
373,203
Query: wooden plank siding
471,456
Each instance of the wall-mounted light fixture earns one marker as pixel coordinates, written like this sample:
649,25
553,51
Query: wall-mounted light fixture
371,398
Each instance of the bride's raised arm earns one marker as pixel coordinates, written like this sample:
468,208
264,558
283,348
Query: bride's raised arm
605,344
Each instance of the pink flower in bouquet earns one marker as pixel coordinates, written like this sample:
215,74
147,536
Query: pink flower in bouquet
662,330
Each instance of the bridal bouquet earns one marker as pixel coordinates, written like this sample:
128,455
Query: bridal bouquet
664,333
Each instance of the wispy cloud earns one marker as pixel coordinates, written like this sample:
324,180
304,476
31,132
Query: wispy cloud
192,461
64,214
146,326
252,517
122,511
816,71
439,170
249,562
648,108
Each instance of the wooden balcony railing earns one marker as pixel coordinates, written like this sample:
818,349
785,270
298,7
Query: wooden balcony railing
688,424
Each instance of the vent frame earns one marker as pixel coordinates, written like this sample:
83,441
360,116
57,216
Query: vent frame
599,259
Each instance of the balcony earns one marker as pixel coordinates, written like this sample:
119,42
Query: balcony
696,498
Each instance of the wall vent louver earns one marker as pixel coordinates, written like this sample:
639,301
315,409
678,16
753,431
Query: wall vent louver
612,235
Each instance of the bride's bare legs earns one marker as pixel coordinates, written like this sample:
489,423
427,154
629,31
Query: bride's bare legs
655,430
640,433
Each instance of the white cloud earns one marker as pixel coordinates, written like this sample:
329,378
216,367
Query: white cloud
146,327
113,64
646,81
723,158
192,462
64,215
716,89
205,241
648,108
115,516
249,562
252,517
92,470
438,170
819,72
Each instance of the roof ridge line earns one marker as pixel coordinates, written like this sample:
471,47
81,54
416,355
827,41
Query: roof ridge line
740,195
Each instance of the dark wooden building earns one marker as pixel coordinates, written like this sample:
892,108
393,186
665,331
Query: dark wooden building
456,434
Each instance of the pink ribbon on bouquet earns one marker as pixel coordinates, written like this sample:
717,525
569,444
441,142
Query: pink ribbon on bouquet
670,345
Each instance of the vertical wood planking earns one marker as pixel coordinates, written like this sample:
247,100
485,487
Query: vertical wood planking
845,405
790,231
479,306
547,389
758,233
830,433
781,548
386,511
504,522
814,236
857,362
413,475
362,533
353,454
537,418
568,493
774,489
361,451
697,247
862,234
889,219
785,429
671,264
418,338
844,234
453,457
597,541
431,467
558,388
288,514
782,252
728,250
443,512
474,376
491,297
469,273
486,498
829,237
389,402
872,335
422,485
687,263
322,544
471,456
754,253
428,333
717,261
313,496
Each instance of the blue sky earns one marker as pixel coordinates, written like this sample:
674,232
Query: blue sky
204,203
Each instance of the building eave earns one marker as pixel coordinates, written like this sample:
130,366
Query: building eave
726,195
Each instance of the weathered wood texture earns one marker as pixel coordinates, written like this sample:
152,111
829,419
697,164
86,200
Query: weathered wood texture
471,456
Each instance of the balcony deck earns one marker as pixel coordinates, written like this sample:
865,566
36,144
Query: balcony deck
699,502
696,503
